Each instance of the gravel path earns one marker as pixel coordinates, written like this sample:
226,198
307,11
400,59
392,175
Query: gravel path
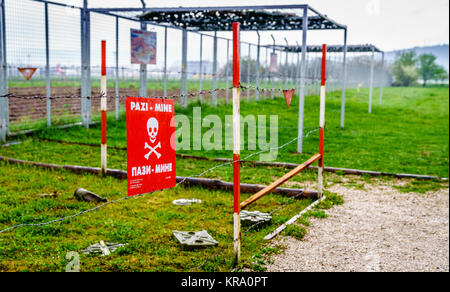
377,229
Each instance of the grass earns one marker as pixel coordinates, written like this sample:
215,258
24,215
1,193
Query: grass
145,223
409,133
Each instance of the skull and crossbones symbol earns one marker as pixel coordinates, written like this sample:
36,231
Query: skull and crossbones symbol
152,130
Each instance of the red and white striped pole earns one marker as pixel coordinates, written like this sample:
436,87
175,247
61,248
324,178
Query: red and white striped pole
103,85
236,144
323,91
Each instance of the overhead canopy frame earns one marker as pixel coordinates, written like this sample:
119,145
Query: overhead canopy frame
262,18
251,18
366,48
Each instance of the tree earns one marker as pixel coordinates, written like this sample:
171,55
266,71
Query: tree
428,69
441,74
405,69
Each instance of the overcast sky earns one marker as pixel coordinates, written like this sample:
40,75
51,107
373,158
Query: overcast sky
389,24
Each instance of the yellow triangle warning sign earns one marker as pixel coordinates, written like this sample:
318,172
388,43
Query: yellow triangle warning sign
27,72
288,94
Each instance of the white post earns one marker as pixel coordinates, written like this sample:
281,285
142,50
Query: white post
302,83
344,80
214,85
183,69
236,145
165,61
143,72
381,78
103,105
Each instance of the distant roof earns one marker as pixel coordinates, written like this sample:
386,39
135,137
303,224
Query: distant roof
262,18
332,49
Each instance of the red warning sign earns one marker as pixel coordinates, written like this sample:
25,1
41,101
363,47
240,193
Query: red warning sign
150,144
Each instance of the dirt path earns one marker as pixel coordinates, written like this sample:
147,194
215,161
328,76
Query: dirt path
377,229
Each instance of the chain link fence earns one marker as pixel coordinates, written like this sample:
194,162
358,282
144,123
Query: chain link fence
47,37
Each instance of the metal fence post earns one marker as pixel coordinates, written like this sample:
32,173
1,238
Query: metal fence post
270,73
227,73
143,72
266,76
258,57
372,65
248,72
201,69
183,69
381,78
86,91
4,102
302,82
214,85
165,61
117,68
344,80
47,69
286,70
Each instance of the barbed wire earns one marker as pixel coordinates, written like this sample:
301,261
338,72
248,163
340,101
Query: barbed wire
179,183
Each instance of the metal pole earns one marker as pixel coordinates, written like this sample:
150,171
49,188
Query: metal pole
267,73
183,69
214,87
286,69
248,72
236,146
117,68
344,80
4,102
280,74
47,69
372,65
201,69
302,82
297,83
226,72
381,78
271,75
143,72
258,56
165,61
86,66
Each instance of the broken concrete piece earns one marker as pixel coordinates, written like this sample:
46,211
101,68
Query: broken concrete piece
103,248
195,238
251,218
186,202
52,195
85,195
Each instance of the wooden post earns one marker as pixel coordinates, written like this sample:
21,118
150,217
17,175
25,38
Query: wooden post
322,118
103,90
236,144
280,181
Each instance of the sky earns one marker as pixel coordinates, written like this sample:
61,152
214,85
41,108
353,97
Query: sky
388,24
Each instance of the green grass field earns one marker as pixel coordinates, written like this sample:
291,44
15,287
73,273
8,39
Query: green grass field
408,133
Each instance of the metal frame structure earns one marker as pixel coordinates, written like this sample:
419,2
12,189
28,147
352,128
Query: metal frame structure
193,19
252,18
